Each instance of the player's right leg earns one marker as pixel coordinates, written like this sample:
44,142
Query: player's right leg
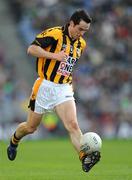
28,127
22,130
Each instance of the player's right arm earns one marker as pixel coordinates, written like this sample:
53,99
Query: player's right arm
37,51
46,39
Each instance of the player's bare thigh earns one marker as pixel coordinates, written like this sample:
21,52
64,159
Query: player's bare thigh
67,112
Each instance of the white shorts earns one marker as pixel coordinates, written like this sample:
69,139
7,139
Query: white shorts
50,95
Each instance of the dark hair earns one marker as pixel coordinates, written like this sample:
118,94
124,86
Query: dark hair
79,15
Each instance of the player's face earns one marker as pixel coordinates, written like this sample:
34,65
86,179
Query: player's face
78,30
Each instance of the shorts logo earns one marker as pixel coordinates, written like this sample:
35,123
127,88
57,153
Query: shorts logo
68,96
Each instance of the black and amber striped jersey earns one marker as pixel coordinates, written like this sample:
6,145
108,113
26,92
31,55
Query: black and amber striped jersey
54,40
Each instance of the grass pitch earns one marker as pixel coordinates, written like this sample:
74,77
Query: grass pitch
55,159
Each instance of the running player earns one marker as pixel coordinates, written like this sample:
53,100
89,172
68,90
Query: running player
57,51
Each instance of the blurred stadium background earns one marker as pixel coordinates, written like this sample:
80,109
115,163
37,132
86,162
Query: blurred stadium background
102,79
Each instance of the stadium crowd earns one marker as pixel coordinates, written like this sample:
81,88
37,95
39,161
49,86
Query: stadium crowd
103,77
13,94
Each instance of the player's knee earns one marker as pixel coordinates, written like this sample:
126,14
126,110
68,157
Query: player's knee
73,126
31,129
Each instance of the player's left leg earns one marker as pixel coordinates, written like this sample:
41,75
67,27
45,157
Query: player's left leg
67,113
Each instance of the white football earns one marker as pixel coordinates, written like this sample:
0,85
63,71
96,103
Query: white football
90,142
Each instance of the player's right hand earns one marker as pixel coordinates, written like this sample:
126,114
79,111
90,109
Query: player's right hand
61,56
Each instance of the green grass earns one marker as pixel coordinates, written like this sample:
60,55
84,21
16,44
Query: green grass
57,160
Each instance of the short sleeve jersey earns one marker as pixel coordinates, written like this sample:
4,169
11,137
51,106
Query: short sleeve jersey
54,40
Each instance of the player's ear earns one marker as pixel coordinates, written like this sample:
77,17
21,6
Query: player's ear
72,23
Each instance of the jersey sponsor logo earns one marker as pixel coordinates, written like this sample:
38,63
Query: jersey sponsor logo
66,67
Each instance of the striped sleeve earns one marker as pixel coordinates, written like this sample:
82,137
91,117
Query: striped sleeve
43,42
